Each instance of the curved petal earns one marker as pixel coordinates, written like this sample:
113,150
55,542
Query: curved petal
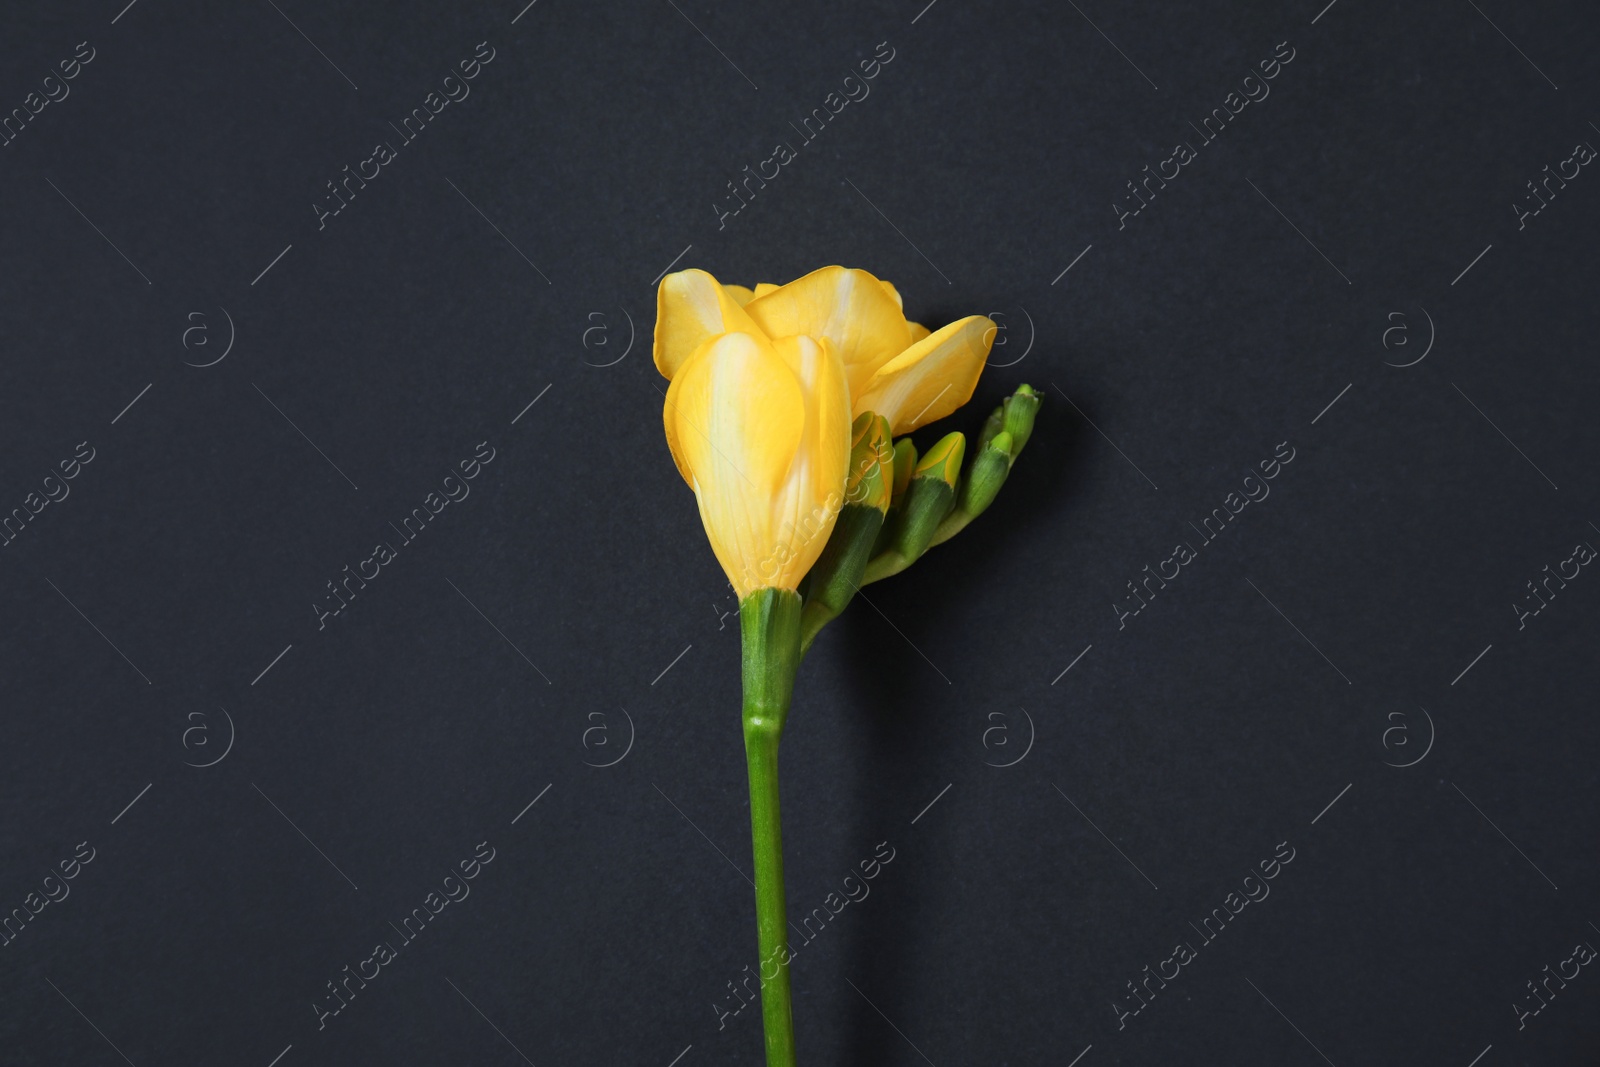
740,294
763,288
932,378
691,308
804,512
918,331
889,286
851,308
735,418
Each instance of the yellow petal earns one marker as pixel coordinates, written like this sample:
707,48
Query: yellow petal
851,308
691,308
734,412
740,294
898,302
823,459
763,288
918,331
931,378
760,432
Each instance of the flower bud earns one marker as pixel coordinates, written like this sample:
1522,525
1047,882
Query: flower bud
943,460
872,455
905,460
986,475
1019,411
930,497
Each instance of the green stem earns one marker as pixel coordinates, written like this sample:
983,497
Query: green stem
769,622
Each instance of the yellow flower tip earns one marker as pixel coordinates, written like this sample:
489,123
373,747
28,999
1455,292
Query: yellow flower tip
760,431
692,307
870,482
943,460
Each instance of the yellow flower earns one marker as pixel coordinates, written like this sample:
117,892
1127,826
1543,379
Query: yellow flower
895,368
765,385
761,432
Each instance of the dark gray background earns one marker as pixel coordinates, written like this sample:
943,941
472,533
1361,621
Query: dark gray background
571,601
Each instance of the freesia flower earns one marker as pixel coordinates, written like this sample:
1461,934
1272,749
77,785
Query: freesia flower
781,416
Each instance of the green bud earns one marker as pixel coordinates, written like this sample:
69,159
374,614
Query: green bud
986,475
872,456
905,460
1020,408
929,498
943,460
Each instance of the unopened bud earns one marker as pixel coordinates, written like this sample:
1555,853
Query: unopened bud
872,455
